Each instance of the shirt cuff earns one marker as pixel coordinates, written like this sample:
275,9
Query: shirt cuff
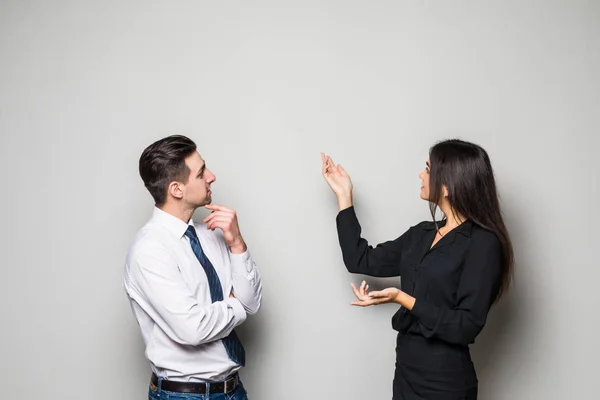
238,310
346,213
424,313
242,262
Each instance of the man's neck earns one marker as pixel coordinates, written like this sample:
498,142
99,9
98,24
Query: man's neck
179,211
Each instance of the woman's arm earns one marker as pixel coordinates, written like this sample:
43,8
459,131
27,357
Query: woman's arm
361,258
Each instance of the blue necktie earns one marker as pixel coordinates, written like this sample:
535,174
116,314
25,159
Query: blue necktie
232,343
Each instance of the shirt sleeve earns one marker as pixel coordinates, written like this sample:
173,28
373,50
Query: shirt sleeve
361,258
247,286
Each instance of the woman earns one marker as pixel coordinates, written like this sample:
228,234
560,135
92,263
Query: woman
451,271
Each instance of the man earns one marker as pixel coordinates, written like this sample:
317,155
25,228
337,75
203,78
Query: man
189,284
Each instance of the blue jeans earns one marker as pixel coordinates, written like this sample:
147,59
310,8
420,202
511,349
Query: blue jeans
155,393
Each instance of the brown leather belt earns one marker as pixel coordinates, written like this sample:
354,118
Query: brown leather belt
226,386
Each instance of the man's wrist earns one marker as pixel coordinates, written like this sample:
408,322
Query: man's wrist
238,246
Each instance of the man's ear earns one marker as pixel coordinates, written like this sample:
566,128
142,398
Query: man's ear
176,189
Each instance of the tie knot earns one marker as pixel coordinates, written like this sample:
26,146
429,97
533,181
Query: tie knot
191,232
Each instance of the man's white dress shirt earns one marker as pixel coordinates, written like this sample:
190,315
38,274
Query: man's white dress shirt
170,298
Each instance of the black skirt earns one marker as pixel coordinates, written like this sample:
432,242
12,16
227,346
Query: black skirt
430,369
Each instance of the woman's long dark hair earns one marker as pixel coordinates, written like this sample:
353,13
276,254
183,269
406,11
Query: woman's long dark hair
465,169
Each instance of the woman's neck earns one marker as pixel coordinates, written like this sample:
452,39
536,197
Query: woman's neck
453,219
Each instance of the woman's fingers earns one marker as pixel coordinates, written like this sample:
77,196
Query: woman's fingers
331,164
324,164
364,303
364,298
355,290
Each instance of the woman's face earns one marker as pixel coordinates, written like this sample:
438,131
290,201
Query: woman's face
425,181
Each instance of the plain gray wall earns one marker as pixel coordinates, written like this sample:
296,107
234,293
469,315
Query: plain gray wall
263,87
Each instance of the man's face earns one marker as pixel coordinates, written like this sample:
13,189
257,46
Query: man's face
197,191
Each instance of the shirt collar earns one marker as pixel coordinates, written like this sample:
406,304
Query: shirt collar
464,228
173,224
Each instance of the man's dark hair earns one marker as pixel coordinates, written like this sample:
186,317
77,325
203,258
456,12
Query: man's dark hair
164,162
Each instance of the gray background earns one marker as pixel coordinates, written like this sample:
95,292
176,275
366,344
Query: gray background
263,87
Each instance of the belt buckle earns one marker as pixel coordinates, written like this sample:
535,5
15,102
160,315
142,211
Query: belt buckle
233,381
